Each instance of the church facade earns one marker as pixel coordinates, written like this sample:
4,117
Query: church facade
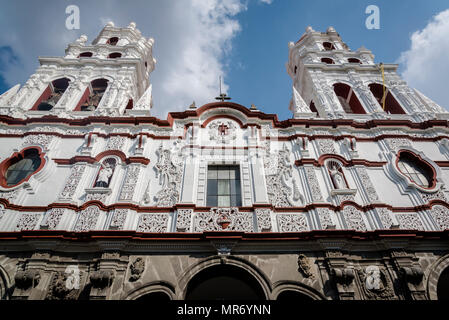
347,199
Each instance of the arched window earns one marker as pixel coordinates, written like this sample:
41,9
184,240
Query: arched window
354,60
348,99
92,96
51,95
85,55
336,173
328,46
327,60
105,174
20,167
112,41
312,107
114,55
416,170
392,106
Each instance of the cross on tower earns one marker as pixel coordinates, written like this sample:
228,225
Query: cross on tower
223,129
222,96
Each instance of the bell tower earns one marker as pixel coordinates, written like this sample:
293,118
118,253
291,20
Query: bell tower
109,77
331,81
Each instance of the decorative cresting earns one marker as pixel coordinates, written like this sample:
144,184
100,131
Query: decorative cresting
376,283
222,131
219,219
169,170
278,170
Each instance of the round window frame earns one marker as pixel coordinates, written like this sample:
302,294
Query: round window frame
5,164
435,181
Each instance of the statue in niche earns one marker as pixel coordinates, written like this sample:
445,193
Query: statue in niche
105,174
337,176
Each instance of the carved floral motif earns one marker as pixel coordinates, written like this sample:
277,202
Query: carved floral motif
152,223
313,184
441,216
129,185
118,219
183,220
136,269
28,221
53,218
219,219
292,223
366,182
353,219
73,181
87,219
409,222
263,217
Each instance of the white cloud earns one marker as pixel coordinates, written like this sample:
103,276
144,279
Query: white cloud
192,38
426,64
266,1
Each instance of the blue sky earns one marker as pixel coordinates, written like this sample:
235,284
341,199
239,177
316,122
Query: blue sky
245,41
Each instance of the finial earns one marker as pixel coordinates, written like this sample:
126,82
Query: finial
192,106
309,29
330,29
150,41
82,39
110,24
291,45
132,25
253,107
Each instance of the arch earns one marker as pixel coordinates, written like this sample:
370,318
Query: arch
114,55
294,288
260,279
154,289
392,106
328,46
436,271
354,60
52,94
348,99
92,95
112,41
86,54
224,282
5,284
327,60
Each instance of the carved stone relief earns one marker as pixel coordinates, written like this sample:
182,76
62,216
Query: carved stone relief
129,185
153,223
219,219
441,216
353,218
87,219
376,283
292,223
136,269
409,222
53,218
28,221
263,217
118,219
222,131
73,181
183,220
313,184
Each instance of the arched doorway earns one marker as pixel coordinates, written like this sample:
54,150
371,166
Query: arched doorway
293,296
154,297
224,282
443,285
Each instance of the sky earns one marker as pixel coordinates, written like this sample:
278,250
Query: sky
244,41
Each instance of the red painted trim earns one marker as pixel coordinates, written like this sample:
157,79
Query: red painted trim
195,208
83,99
100,156
223,116
45,95
11,160
33,235
346,163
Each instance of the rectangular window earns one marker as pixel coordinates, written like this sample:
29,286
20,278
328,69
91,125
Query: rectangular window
223,186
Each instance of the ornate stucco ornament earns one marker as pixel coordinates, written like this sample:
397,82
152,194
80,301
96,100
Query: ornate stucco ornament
136,269
222,131
376,283
305,266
